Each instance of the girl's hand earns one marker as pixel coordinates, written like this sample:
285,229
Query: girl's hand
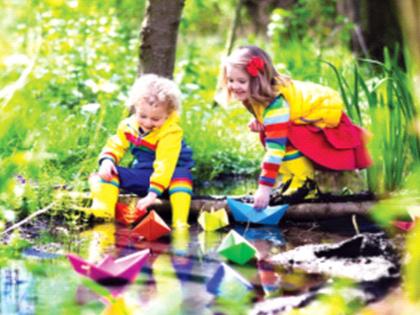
262,197
147,201
107,170
255,126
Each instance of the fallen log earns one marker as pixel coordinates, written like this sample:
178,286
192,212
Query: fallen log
313,210
302,211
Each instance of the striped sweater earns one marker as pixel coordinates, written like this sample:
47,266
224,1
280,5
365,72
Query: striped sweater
275,120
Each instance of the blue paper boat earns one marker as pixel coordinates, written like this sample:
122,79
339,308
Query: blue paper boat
245,212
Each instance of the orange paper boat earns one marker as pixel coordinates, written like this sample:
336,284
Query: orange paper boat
152,227
109,271
124,214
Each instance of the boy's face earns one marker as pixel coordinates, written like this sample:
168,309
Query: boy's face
151,117
237,83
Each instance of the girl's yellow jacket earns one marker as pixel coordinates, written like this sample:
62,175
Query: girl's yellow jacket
309,103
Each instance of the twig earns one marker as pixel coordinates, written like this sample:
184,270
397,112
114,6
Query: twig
355,225
28,218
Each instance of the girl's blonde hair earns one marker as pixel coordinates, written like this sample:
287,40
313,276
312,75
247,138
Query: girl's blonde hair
155,91
263,86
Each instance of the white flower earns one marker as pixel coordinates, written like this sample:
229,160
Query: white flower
91,108
9,215
107,86
73,4
192,86
104,86
92,85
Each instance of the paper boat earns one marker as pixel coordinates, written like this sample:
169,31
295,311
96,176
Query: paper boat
243,212
124,215
226,280
152,227
404,225
237,249
213,220
109,271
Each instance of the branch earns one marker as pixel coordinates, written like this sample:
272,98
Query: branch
28,218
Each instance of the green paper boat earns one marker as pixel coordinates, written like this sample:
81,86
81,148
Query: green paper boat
213,220
243,212
236,248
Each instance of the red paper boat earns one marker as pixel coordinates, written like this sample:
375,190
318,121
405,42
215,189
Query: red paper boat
152,227
404,225
109,271
123,214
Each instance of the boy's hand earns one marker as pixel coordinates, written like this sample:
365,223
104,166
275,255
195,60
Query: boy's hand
147,201
262,197
255,126
107,170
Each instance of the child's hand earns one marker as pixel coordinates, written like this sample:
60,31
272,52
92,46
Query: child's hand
147,201
107,170
255,126
262,197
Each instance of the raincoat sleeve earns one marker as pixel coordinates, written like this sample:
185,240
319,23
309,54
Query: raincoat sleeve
116,145
275,120
167,154
312,103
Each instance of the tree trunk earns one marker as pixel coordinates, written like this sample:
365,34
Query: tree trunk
409,17
159,35
376,26
260,11
351,9
232,33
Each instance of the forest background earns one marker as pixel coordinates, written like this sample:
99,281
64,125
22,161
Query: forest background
66,67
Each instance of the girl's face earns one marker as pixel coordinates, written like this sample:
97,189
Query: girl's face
151,117
238,83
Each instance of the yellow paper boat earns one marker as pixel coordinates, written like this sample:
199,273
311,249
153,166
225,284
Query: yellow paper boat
213,220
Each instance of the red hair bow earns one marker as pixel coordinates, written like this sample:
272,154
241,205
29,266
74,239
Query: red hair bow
254,65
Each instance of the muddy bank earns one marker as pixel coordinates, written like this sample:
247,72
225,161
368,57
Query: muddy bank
370,260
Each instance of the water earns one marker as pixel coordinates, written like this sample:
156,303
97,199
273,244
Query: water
234,186
172,282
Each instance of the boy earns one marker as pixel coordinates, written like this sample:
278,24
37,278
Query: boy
162,159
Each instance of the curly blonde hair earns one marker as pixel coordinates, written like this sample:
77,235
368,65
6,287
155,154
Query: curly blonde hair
155,91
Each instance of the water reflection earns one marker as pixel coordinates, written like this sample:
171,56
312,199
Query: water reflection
100,240
267,239
173,281
209,241
17,290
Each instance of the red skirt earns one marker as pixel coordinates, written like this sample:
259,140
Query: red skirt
340,149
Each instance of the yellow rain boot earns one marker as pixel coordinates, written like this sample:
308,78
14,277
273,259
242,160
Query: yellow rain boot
298,173
180,203
104,197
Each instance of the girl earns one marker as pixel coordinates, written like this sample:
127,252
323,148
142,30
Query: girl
162,160
301,124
